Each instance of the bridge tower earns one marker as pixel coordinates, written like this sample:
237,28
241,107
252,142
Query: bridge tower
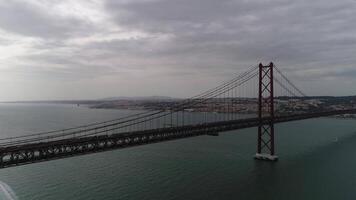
265,142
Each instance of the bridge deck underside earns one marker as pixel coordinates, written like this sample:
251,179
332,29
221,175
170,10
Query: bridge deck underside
38,152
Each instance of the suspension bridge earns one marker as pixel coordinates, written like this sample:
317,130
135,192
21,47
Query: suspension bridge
255,98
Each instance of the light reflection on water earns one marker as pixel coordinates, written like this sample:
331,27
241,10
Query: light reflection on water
6,193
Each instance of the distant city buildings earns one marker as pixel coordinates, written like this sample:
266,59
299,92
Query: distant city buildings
234,105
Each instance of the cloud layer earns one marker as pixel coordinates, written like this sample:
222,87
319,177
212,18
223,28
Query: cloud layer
92,48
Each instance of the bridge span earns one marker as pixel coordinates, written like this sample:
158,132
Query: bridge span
225,101
44,151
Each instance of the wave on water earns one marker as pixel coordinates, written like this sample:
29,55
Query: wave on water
6,193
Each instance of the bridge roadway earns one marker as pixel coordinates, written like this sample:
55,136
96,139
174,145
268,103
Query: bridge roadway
14,155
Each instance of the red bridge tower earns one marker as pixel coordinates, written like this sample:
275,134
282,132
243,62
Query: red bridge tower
265,148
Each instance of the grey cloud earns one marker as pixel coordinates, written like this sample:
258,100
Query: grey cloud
63,67
288,32
187,40
24,18
172,15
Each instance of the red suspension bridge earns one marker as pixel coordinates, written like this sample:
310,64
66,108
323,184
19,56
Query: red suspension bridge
219,111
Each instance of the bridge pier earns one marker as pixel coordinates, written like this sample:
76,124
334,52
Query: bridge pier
267,157
265,141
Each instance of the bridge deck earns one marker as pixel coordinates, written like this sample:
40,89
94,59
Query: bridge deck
14,155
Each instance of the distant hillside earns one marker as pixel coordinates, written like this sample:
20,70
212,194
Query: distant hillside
325,99
108,99
141,98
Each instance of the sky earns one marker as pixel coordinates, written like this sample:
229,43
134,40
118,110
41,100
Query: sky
90,49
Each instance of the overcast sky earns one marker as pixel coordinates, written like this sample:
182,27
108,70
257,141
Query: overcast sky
87,49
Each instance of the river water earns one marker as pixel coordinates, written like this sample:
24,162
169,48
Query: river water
317,161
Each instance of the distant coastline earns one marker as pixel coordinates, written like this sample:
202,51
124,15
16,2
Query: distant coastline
283,105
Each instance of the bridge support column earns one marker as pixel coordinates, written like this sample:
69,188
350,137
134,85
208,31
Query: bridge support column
265,142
